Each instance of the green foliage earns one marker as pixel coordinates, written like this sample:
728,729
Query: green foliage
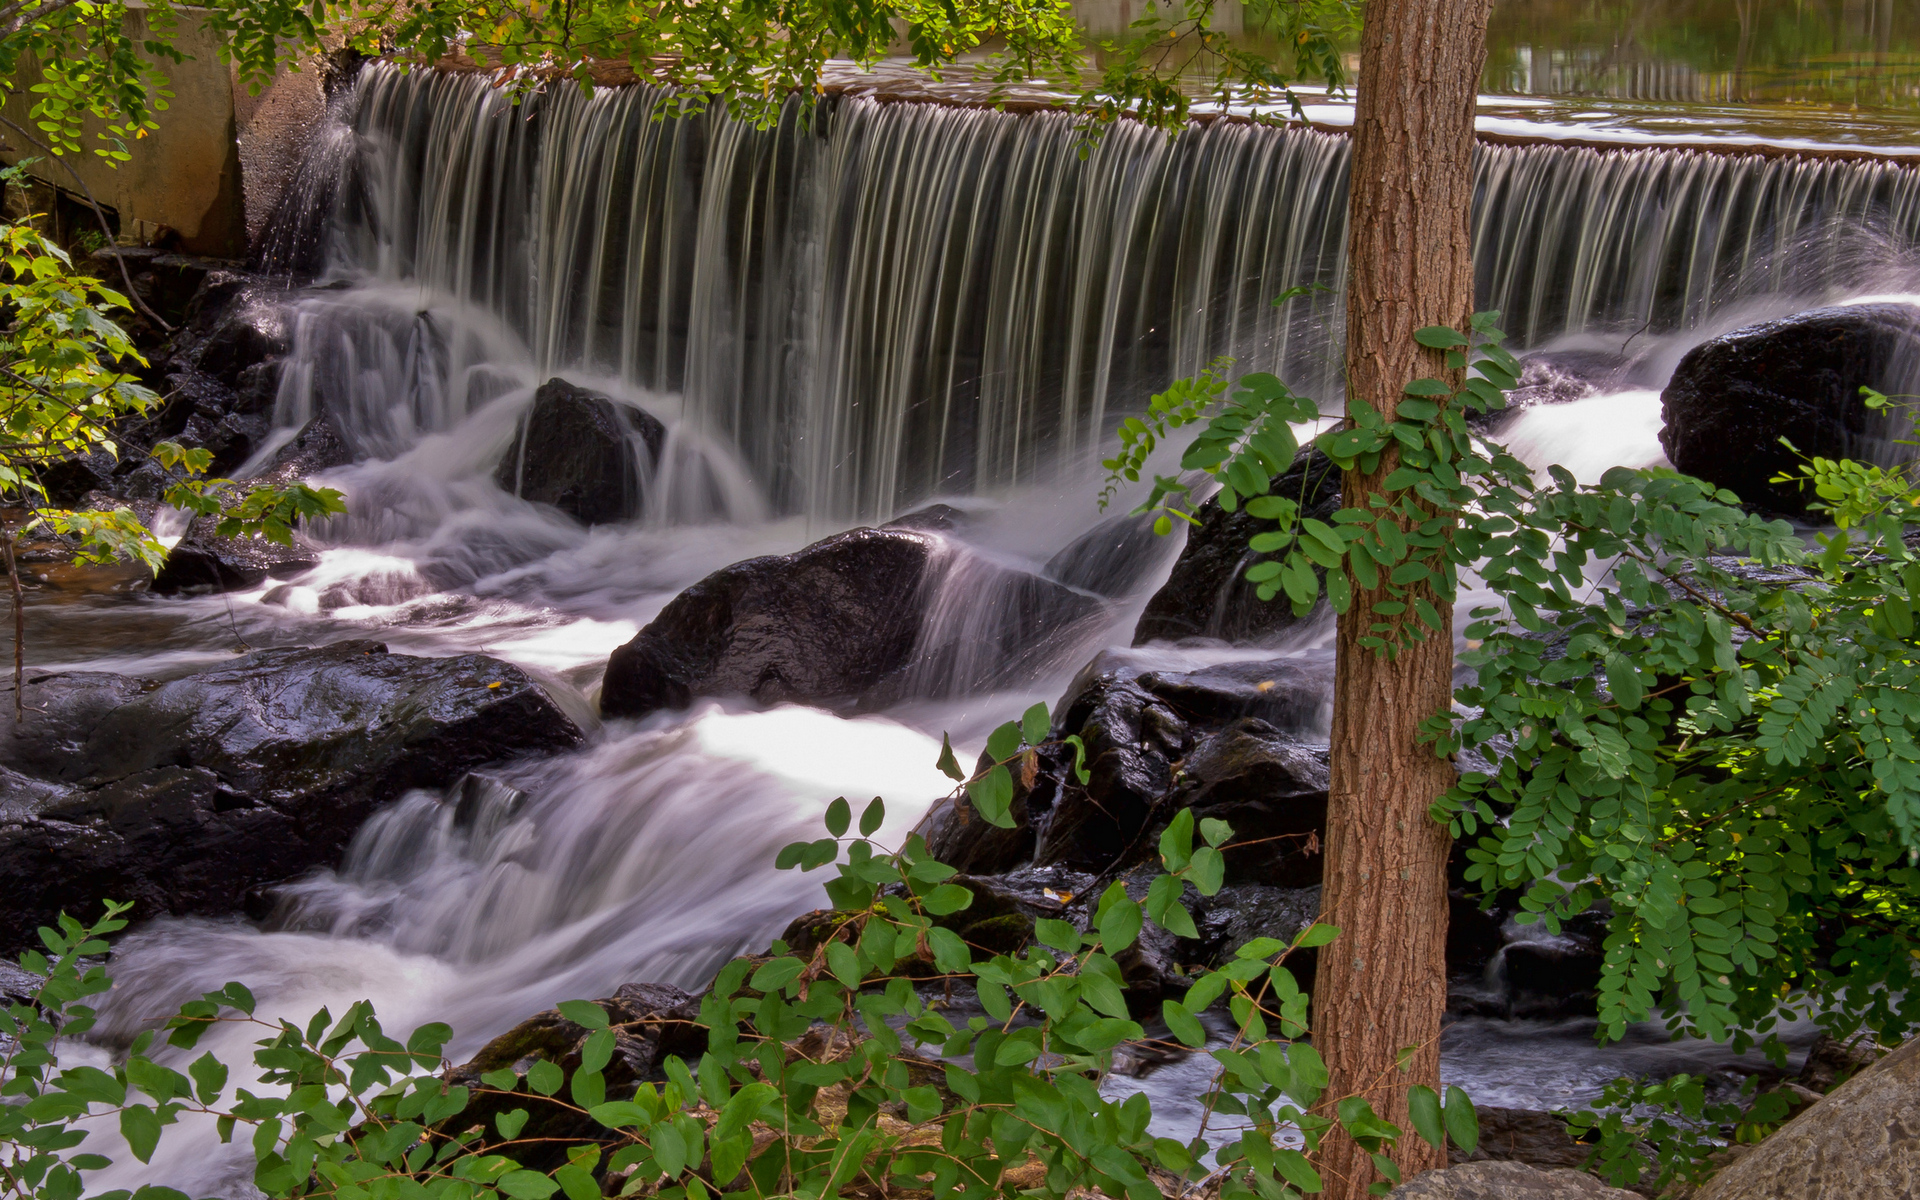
1687,716
60,388
825,1071
65,387
1668,1126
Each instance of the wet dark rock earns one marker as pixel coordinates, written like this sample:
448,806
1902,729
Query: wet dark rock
249,327
1271,788
1506,1181
1241,913
1539,1139
574,450
18,986
1733,398
257,387
1831,1062
204,561
1290,693
1207,594
181,795
822,625
1111,559
1132,739
1553,976
319,446
1136,726
66,482
232,440
1473,933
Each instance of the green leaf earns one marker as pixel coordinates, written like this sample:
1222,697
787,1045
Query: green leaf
1183,1023
1439,337
873,817
1463,1124
1423,1108
510,1123
1176,841
578,1182
140,1125
947,898
1315,935
584,1012
1118,919
948,764
992,795
776,974
1004,742
209,1078
839,817
1209,870
527,1185
545,1077
1035,724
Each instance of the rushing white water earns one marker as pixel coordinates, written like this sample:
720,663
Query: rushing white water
874,303
836,321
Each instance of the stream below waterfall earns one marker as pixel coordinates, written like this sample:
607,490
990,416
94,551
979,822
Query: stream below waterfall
836,324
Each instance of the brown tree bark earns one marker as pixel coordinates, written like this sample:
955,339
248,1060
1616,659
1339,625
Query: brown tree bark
1381,987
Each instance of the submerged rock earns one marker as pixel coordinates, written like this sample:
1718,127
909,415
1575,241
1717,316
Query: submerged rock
574,450
1111,558
1506,1181
1539,1139
181,795
844,622
1733,398
1207,595
1860,1142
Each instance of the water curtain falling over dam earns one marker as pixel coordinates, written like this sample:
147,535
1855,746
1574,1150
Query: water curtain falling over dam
874,303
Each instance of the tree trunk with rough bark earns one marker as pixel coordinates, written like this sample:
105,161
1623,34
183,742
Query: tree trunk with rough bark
1381,987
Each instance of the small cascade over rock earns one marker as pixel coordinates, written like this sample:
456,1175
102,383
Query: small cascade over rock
575,449
1733,398
860,619
184,795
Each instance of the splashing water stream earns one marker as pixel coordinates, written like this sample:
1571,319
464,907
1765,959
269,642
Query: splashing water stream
870,307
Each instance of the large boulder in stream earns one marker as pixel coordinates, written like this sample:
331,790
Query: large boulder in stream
1859,1142
1734,397
182,795
1506,1181
859,618
1208,595
575,450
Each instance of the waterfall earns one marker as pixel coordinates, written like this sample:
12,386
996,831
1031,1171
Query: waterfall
879,302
